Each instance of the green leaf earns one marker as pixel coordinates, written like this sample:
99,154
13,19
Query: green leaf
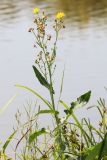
98,151
41,79
36,134
35,93
68,110
62,81
8,141
48,112
7,104
64,104
84,98
54,51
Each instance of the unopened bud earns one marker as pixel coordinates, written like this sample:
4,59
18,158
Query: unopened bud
31,29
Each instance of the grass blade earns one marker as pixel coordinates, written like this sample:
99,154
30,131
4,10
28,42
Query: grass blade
8,141
36,134
7,104
35,93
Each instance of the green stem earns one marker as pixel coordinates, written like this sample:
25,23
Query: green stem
83,131
51,95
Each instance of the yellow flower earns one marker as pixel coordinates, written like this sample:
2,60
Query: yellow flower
60,15
36,10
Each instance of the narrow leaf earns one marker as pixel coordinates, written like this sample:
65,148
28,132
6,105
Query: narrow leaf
62,80
36,134
7,104
48,112
35,93
41,79
8,141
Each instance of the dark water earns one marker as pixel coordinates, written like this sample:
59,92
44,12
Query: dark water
82,48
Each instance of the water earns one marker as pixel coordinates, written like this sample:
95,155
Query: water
82,48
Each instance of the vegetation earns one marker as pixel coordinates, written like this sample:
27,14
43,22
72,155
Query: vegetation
67,138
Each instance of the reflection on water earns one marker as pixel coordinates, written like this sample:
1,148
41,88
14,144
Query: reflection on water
81,11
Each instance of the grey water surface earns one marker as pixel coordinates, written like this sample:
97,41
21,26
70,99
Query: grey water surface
82,48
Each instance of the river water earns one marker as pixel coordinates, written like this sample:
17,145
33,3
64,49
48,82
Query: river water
82,49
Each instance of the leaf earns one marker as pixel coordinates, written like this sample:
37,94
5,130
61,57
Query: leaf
62,146
62,80
99,150
64,104
68,109
48,112
54,51
35,93
36,134
84,98
41,79
7,104
8,141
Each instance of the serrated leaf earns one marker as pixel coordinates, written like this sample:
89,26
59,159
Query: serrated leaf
82,100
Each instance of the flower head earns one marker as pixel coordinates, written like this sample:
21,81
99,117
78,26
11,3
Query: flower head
60,15
36,10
